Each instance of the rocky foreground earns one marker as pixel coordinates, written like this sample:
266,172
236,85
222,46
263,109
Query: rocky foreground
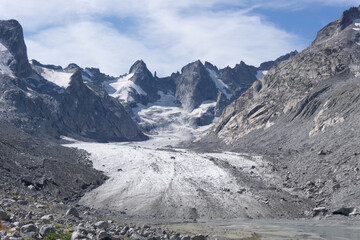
26,218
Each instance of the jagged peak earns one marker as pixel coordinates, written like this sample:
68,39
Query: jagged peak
349,16
194,65
72,67
138,66
210,66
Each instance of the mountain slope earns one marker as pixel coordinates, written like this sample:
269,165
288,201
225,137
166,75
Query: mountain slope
46,100
304,115
51,170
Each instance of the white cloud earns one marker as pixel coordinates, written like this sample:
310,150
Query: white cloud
167,34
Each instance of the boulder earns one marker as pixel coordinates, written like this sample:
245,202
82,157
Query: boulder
46,229
4,216
102,225
29,228
72,212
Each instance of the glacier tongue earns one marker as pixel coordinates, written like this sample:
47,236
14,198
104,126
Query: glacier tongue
149,179
155,179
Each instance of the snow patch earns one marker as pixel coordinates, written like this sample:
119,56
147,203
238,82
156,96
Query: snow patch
61,79
122,87
261,73
220,84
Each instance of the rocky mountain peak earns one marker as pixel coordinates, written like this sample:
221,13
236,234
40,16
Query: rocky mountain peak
333,28
194,85
12,38
72,67
211,66
138,66
349,16
143,78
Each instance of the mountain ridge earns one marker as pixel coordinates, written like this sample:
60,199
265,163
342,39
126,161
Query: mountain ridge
303,114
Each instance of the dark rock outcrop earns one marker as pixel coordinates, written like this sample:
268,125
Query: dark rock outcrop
239,78
93,114
194,86
11,36
143,78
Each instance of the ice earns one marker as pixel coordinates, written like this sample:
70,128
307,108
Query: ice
166,116
220,84
59,78
152,179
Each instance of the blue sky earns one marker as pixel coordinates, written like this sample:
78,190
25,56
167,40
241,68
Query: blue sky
167,34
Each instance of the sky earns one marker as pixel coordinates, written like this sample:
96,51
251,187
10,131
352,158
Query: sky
168,34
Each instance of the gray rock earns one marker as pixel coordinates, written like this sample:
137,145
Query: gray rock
186,238
319,211
38,205
73,212
175,237
4,216
78,236
136,236
23,202
29,228
44,230
47,219
102,225
103,235
198,237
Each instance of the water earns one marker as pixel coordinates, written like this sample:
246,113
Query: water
273,229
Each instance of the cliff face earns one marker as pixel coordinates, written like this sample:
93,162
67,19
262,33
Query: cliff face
12,41
304,113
